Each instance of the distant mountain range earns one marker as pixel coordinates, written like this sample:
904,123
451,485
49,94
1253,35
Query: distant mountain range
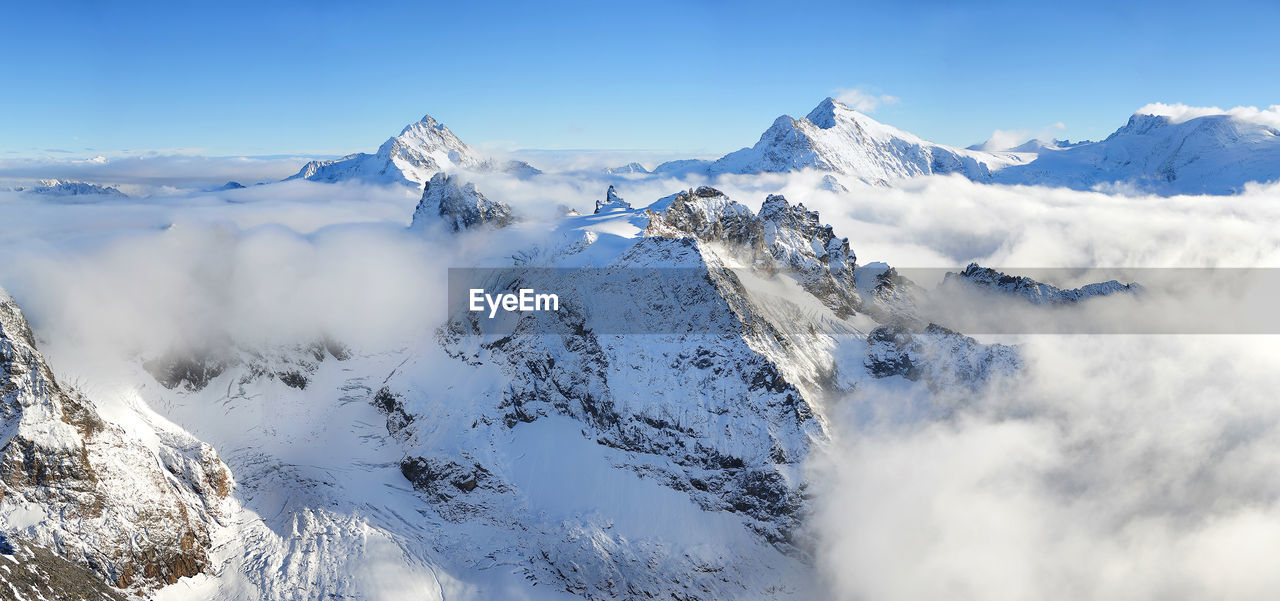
1214,154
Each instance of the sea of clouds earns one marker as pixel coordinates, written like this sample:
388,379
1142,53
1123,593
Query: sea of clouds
1114,467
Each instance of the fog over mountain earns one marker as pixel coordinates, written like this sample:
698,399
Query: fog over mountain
267,392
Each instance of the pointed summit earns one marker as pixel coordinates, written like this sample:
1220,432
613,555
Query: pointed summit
459,205
422,149
824,115
836,138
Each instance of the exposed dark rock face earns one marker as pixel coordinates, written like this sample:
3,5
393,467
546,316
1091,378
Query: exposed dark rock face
193,369
611,202
1037,293
458,205
782,237
53,187
392,405
30,571
938,356
138,516
738,452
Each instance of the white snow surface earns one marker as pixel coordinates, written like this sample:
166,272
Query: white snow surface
834,137
420,150
1190,152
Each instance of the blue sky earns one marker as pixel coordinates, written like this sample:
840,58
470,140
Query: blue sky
699,78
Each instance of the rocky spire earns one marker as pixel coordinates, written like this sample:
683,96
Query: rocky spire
459,205
612,202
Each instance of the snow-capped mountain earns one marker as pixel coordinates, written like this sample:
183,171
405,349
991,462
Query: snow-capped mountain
1212,154
632,168
55,187
421,150
834,137
597,463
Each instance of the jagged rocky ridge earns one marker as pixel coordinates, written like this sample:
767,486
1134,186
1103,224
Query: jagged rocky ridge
458,205
725,413
139,515
597,463
31,572
54,187
1034,292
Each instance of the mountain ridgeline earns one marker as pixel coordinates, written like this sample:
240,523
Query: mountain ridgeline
1213,154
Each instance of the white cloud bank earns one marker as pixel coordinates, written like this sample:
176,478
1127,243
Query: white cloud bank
1115,468
156,172
862,99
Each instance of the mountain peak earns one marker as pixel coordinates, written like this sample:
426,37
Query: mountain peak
1141,123
459,205
825,114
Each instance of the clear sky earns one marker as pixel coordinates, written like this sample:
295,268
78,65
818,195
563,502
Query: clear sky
698,77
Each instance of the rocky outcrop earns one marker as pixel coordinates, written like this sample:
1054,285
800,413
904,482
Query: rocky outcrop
458,205
611,202
941,358
138,514
192,369
783,237
29,571
1036,293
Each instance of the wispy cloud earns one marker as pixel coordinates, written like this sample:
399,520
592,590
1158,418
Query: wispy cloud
863,99
1002,139
155,168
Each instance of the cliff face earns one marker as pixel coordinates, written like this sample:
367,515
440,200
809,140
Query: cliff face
137,512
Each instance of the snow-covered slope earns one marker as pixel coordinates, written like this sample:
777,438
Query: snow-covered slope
632,168
421,150
834,137
611,202
136,506
666,457
1212,154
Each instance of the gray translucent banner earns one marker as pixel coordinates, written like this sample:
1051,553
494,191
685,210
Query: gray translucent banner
663,300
